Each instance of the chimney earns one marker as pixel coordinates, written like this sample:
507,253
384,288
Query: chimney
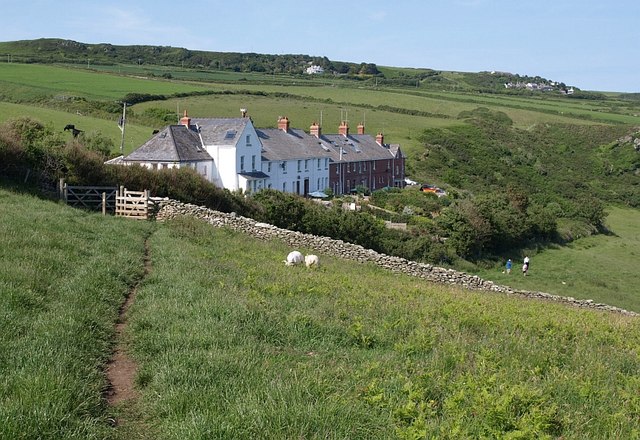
243,112
283,124
361,128
343,129
315,130
380,139
185,120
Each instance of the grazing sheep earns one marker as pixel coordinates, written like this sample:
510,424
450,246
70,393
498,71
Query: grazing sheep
311,260
294,258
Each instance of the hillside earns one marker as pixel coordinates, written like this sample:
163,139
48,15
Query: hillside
231,343
53,50
228,348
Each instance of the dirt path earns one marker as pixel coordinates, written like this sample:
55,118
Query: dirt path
121,369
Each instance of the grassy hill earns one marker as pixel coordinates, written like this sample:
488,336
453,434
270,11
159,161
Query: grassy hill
401,113
231,343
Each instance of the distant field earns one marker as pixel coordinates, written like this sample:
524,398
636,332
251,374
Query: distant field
323,100
601,267
24,82
135,135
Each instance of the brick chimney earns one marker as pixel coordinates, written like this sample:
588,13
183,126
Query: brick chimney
343,129
380,139
361,128
185,120
315,130
283,123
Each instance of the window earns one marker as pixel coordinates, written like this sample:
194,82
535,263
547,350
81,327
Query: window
241,163
299,165
318,163
326,164
284,167
374,165
253,162
284,186
248,140
306,164
154,166
364,166
165,166
268,167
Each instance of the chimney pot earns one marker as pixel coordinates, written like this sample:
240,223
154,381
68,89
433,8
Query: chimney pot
361,128
343,129
315,130
185,120
283,124
380,139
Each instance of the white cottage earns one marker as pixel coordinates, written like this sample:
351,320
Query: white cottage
226,151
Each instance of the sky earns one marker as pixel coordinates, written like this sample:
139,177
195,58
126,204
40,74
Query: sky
590,44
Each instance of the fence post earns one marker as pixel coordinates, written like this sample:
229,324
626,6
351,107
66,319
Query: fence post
104,203
65,193
61,188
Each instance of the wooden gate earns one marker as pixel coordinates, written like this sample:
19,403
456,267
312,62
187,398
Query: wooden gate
94,198
132,204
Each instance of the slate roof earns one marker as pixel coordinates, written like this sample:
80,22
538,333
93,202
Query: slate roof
220,131
175,143
278,144
357,147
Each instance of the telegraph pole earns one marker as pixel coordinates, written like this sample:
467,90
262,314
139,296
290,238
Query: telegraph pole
122,124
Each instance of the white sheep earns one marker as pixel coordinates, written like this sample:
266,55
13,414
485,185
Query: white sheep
311,260
294,258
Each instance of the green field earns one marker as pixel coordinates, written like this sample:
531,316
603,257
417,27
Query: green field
385,110
26,82
135,135
230,343
599,267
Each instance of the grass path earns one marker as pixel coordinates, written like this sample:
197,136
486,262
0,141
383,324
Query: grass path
121,368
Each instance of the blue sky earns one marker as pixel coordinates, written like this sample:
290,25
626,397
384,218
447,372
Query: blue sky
590,44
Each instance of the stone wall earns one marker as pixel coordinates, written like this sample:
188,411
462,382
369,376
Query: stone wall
168,209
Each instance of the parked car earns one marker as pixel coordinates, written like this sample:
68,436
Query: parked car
428,188
433,189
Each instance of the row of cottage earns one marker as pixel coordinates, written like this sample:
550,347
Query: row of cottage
233,154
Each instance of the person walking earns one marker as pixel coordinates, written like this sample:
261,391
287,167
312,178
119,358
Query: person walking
508,265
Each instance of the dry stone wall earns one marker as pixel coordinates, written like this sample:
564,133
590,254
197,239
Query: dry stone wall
169,209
